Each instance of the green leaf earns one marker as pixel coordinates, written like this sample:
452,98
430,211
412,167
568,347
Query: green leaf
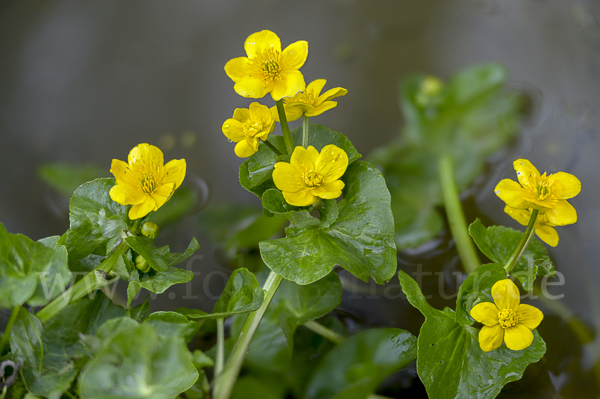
145,247
157,282
477,81
65,178
95,219
248,387
201,360
176,258
498,243
137,363
167,324
242,294
357,367
31,272
319,136
273,201
450,362
361,239
477,286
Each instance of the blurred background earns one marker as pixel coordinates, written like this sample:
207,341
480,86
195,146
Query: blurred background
84,82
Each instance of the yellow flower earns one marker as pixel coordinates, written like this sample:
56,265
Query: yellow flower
547,194
267,69
310,175
543,228
505,319
145,182
247,126
309,102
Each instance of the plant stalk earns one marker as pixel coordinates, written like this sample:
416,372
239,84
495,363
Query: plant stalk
272,148
287,136
304,131
9,326
220,358
324,332
456,217
522,246
92,281
224,384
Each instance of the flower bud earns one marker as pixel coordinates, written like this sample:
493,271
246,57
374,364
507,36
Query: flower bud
429,92
142,264
150,230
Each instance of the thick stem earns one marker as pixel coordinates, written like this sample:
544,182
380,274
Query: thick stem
220,358
287,136
304,131
224,384
272,148
92,281
456,217
522,246
9,326
324,332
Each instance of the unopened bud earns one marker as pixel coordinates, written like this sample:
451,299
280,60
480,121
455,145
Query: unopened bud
150,230
142,264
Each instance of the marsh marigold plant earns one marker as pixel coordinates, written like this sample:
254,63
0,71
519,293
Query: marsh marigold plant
543,228
268,69
247,127
506,320
310,102
145,182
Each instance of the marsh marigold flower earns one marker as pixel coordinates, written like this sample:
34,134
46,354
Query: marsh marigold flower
506,320
247,126
311,175
310,102
145,182
543,228
547,194
267,69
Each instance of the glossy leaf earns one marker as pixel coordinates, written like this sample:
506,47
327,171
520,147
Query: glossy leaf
450,362
145,247
319,136
167,324
355,368
157,282
65,178
361,239
476,287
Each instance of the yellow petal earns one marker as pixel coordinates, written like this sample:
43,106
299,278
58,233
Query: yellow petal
529,316
329,190
141,210
232,129
486,313
520,215
289,84
506,295
547,234
316,86
175,172
244,149
564,185
162,194
295,111
491,338
125,194
294,55
300,198
304,157
241,114
261,41
512,193
518,337
251,87
331,163
288,178
326,106
527,174
237,68
259,112
562,213
123,174
331,94
146,154
275,113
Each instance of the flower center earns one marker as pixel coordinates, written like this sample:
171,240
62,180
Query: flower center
507,318
306,97
543,190
148,183
252,128
312,178
269,64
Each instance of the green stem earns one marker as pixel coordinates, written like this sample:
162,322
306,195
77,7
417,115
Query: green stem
224,384
324,332
92,281
522,246
304,131
287,136
272,148
9,326
456,217
220,358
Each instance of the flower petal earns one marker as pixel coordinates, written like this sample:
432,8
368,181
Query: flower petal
512,193
491,338
251,87
562,213
258,42
123,174
289,84
526,173
564,185
547,234
326,106
146,154
288,178
486,313
175,172
162,194
316,86
520,215
332,163
329,190
295,110
506,295
294,55
529,316
244,149
518,337
141,210
237,68
305,157
241,114
331,94
125,194
300,198
232,129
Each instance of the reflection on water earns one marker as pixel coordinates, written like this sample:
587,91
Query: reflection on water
83,82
